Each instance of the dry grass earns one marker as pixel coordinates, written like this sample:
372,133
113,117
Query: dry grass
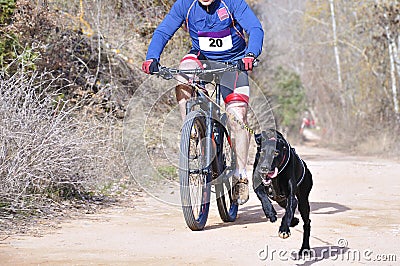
47,151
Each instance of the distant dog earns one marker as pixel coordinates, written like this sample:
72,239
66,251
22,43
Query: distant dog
280,174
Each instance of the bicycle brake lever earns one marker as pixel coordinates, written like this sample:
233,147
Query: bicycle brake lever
164,73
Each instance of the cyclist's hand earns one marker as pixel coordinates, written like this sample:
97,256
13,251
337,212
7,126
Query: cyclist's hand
150,66
246,63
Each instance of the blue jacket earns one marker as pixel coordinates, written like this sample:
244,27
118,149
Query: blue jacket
218,34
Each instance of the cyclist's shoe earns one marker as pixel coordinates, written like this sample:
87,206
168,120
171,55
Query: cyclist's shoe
240,191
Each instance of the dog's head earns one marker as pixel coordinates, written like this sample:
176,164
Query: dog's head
271,151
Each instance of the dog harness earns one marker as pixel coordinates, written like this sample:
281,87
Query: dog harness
285,161
302,165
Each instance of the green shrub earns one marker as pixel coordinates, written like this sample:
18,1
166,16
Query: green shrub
290,97
8,43
7,8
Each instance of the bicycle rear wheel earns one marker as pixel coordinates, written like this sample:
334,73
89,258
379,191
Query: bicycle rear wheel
226,207
195,185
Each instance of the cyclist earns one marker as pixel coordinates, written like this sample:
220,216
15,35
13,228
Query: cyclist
307,122
217,30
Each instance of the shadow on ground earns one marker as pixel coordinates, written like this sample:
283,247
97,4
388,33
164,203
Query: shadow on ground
254,214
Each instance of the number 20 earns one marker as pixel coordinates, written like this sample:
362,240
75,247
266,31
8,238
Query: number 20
215,42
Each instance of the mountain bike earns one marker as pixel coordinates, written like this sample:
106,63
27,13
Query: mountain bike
206,157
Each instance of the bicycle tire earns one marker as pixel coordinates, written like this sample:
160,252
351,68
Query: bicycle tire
223,187
195,204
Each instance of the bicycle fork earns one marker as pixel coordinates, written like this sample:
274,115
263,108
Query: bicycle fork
214,137
210,154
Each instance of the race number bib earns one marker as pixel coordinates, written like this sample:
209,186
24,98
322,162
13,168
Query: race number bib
215,41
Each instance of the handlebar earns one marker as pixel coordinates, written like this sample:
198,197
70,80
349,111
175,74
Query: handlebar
168,73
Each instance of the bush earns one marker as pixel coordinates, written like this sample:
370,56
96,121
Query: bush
289,95
7,8
47,151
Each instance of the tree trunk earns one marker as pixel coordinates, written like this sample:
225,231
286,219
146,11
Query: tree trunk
394,59
336,51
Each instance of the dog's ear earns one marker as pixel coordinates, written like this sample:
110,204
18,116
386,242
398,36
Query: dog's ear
280,135
257,138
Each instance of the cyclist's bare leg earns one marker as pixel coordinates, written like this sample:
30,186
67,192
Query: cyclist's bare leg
241,142
240,135
184,92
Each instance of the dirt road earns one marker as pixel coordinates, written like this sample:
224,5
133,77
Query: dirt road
355,217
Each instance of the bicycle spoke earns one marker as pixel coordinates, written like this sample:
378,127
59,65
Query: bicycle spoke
226,207
194,180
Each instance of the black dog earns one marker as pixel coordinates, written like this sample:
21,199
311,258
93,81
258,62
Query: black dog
280,174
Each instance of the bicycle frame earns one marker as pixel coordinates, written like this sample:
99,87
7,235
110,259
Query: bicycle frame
212,116
215,125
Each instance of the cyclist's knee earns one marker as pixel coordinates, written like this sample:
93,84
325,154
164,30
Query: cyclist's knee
183,91
237,105
189,61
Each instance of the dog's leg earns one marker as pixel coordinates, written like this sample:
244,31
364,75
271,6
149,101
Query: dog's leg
291,205
304,208
295,220
266,204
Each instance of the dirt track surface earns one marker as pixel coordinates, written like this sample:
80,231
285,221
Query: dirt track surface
355,217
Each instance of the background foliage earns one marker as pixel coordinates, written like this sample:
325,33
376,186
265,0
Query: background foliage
351,78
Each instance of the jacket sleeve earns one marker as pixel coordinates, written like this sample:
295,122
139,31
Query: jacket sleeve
167,28
251,24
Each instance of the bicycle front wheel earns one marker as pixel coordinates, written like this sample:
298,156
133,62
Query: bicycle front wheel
227,208
195,182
